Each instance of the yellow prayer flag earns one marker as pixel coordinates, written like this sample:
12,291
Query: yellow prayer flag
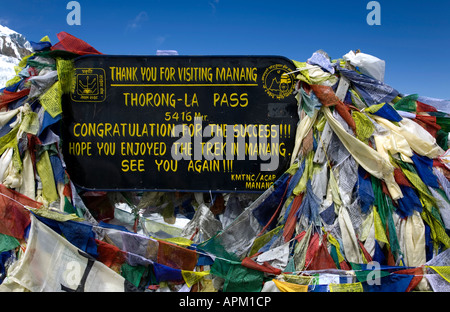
290,287
364,127
45,39
351,287
65,74
260,241
45,171
443,271
207,286
424,194
380,234
333,241
374,108
191,277
30,123
51,100
307,174
24,60
297,279
12,81
54,215
180,241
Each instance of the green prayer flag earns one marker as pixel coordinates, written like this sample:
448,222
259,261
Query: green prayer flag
242,279
408,103
8,243
133,274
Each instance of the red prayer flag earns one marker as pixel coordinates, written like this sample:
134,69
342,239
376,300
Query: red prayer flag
69,43
326,95
322,259
291,220
110,255
14,217
265,267
176,257
9,97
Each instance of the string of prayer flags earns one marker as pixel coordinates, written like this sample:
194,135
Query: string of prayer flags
363,206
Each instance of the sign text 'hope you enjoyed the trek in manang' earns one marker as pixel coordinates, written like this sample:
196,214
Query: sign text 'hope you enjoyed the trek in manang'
221,123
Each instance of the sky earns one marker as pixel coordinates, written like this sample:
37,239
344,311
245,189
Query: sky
413,37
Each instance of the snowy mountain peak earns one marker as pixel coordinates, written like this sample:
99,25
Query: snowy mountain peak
5,31
13,44
13,47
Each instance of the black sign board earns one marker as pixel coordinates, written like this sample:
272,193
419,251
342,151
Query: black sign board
187,123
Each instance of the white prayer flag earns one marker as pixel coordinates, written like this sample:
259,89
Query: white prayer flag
51,264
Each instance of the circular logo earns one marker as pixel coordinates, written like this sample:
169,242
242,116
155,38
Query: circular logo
276,81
